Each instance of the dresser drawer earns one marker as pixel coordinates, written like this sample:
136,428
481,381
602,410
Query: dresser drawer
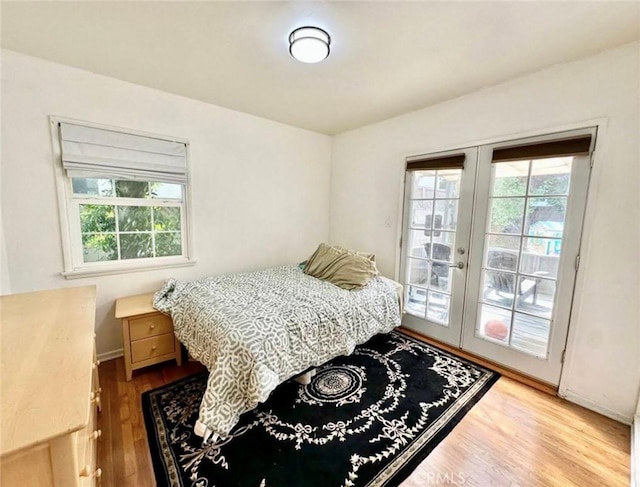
149,348
150,326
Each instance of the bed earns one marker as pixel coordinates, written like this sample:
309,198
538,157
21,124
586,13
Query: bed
255,330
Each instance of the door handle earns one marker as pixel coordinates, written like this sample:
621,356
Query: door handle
459,265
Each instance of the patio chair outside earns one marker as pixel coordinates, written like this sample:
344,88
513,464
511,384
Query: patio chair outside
504,284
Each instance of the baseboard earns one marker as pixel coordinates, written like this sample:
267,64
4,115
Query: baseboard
512,374
587,403
103,357
635,452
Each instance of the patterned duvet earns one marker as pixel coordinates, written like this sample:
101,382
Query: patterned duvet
255,330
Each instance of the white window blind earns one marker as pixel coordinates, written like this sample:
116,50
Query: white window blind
89,152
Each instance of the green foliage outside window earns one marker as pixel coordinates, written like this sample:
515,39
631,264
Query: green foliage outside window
507,213
138,227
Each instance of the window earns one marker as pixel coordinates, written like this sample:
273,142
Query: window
123,199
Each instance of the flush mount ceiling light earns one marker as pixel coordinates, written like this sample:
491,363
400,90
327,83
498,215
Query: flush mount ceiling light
309,44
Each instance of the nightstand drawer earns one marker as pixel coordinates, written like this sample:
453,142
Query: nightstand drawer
150,326
147,334
149,348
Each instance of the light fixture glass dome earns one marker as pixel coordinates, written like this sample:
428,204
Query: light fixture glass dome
309,44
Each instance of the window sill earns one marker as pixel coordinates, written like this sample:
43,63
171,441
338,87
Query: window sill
97,272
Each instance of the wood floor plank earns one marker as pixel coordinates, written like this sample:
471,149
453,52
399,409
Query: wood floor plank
515,436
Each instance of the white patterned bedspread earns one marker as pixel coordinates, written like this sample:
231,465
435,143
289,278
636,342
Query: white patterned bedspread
255,330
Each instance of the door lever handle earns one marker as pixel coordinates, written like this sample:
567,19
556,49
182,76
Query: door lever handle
459,265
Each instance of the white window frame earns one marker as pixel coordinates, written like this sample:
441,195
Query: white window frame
69,213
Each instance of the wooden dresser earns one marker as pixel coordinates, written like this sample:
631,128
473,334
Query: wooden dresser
50,389
147,334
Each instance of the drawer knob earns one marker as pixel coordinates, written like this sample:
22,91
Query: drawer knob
153,348
86,472
152,326
96,434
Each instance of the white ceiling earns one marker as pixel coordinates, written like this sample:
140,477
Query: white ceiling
387,57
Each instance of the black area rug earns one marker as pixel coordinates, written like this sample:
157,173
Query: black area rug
367,419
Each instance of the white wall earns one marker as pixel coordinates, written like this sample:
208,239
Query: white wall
602,366
260,189
635,449
5,280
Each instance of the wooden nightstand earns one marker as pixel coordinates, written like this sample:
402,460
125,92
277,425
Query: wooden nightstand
147,334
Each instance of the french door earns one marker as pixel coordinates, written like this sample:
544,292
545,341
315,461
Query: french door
435,244
514,247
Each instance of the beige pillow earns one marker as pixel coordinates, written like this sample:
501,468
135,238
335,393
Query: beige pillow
368,255
342,267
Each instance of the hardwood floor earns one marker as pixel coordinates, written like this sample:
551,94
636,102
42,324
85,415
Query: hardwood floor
515,436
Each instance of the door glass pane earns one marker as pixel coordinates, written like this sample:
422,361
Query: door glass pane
506,215
438,307
417,272
550,176
541,256
421,214
423,185
496,246
545,216
510,178
494,323
530,334
440,277
498,288
535,296
445,215
416,300
448,183
442,246
419,243
502,259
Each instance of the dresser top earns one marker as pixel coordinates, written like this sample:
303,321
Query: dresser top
47,355
135,305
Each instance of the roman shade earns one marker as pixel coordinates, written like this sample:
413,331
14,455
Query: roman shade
102,153
454,161
564,147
